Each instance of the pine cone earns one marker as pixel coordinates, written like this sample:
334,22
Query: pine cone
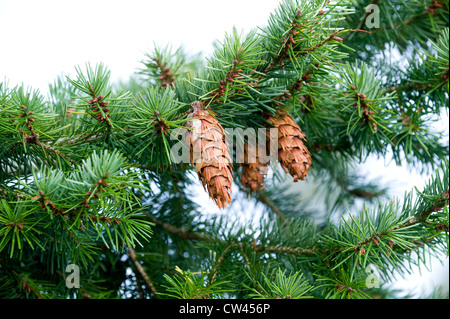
293,155
253,171
209,154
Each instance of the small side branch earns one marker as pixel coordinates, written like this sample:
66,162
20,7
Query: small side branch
24,283
181,232
141,270
267,201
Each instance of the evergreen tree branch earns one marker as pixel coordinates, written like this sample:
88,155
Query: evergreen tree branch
181,232
273,207
433,8
220,260
421,218
286,250
25,284
141,271
400,23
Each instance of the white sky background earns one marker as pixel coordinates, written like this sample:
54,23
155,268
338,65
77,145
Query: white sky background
43,39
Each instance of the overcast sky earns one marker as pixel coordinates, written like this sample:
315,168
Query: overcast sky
43,39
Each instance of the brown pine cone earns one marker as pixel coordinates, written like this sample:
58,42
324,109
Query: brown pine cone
209,154
293,155
253,171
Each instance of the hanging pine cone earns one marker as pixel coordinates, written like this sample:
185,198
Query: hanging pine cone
293,155
209,153
253,171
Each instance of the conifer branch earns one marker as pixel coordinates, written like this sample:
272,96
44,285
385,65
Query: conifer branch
409,86
220,260
331,37
286,250
34,139
24,283
269,203
181,232
433,8
436,206
141,271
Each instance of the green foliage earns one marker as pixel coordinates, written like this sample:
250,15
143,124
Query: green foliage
20,227
284,287
155,111
163,67
192,286
402,24
76,209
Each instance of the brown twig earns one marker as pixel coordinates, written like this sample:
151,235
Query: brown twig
181,232
141,270
220,260
270,203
